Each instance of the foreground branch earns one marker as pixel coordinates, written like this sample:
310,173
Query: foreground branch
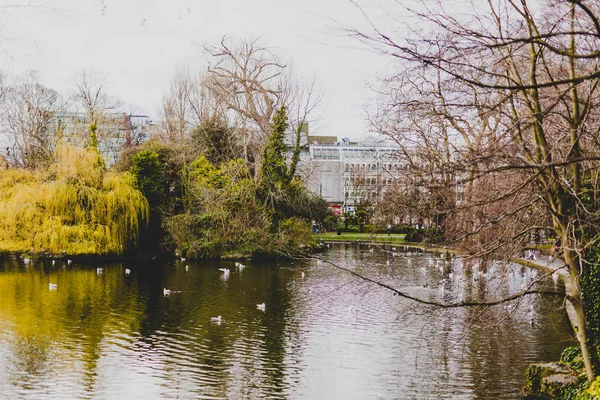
526,292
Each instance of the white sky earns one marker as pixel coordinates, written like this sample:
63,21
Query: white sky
138,44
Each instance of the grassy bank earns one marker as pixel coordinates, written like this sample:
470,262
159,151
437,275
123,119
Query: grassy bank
363,237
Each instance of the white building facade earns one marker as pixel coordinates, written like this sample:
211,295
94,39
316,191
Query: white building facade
347,175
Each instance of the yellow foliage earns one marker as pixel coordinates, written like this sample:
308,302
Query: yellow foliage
77,209
77,164
594,389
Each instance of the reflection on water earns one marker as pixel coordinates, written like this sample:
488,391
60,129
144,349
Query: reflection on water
322,334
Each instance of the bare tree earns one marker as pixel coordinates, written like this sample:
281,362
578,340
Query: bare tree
91,95
530,75
252,82
99,109
29,120
178,107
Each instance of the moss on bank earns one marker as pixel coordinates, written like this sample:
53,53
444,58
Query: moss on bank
562,380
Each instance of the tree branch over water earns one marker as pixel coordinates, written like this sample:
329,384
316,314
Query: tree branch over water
397,292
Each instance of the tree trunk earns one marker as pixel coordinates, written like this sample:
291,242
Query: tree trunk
572,261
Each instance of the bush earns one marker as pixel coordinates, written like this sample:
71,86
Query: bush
434,235
402,229
571,357
330,222
415,236
296,234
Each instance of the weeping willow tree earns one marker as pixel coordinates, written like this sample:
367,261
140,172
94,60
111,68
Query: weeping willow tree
74,207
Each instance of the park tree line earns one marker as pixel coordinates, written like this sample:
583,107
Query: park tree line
496,110
215,173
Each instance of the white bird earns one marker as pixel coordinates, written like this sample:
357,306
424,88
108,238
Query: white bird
127,271
166,292
99,270
53,286
239,265
69,262
182,258
261,306
302,275
26,260
187,267
224,270
216,319
53,262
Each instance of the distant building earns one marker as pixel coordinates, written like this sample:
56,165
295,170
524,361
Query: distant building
348,174
115,130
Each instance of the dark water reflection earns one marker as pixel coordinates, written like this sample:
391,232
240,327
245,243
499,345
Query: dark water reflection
327,335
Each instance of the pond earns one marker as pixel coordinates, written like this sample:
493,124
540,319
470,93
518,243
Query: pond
110,331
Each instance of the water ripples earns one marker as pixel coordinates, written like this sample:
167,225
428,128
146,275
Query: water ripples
324,333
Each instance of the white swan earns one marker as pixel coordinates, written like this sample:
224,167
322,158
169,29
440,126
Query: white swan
216,319
53,286
187,267
69,262
239,265
166,292
127,271
225,273
99,270
261,306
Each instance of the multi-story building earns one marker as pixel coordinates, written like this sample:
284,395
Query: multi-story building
115,130
349,174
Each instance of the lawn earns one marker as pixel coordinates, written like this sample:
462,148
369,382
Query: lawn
363,237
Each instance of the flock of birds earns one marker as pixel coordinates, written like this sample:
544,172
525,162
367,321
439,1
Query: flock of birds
167,292
476,275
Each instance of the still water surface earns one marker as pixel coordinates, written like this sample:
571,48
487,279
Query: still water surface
323,335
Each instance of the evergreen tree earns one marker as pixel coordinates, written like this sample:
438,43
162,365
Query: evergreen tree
275,189
274,171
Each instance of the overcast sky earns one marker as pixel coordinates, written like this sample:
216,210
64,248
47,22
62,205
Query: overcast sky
138,44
